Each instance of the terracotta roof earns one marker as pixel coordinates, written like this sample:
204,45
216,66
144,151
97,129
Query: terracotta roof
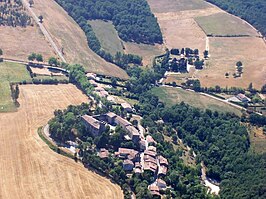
148,158
133,130
104,153
126,105
150,166
163,160
150,153
128,162
152,148
149,139
153,187
161,184
162,170
111,114
122,121
92,121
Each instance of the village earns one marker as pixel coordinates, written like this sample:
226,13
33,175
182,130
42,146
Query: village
137,161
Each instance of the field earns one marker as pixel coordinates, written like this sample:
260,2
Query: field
250,51
257,139
69,36
110,41
29,169
159,6
171,96
147,52
227,26
10,72
177,19
18,43
107,35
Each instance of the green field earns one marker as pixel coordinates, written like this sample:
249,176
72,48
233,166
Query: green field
107,35
10,72
222,24
171,96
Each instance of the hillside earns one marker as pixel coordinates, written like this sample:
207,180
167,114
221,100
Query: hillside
29,169
252,11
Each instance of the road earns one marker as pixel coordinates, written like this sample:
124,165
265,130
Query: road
44,31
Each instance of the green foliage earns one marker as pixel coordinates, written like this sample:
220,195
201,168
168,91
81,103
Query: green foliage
53,61
132,18
12,13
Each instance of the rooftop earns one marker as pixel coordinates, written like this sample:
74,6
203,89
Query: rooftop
92,121
126,105
122,121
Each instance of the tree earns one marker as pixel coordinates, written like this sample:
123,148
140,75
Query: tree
239,69
41,18
32,57
39,58
226,74
239,64
1,52
31,2
53,61
263,89
113,81
206,54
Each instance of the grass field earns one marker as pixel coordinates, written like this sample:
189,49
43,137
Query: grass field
171,96
69,36
223,24
107,35
29,169
18,43
10,72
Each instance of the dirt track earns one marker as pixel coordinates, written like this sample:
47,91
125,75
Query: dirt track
28,168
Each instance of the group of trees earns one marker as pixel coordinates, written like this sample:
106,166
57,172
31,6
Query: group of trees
132,18
34,56
13,14
251,11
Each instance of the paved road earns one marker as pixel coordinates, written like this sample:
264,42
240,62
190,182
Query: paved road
44,31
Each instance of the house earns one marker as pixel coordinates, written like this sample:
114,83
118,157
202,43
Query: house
150,140
125,153
103,153
163,161
91,76
133,133
142,145
128,165
150,153
111,99
126,106
162,170
161,184
110,118
148,158
93,83
154,189
94,126
122,122
243,98
152,148
150,166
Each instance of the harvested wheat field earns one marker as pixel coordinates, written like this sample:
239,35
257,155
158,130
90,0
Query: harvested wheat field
28,168
18,43
250,51
69,36
176,19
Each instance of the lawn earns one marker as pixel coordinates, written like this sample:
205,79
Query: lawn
10,72
223,24
171,96
107,35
